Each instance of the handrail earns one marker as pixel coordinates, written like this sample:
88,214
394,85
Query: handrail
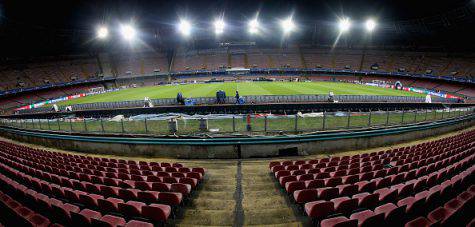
240,140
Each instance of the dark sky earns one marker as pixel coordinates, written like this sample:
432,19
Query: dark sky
49,27
80,14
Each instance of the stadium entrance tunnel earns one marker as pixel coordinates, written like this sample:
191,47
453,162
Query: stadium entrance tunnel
291,151
239,147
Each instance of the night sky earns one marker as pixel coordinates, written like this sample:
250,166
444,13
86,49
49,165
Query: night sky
43,27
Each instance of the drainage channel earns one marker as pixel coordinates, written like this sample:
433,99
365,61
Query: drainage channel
238,195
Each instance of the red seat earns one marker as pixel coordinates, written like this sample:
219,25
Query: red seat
109,191
441,215
305,195
90,200
286,179
318,183
419,222
170,198
366,186
135,223
128,194
297,172
73,196
110,204
345,205
453,204
350,179
404,189
366,176
392,213
199,170
144,186
131,208
383,182
319,209
282,173
161,187
292,186
412,204
194,175
305,177
327,193
154,179
85,217
332,182
387,195
184,189
148,196
368,218
366,200
156,212
38,221
109,221
187,180
396,179
347,189
64,212
338,222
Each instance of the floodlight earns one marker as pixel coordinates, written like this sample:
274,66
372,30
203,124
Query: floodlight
344,25
219,26
287,25
184,27
370,25
128,32
102,32
253,26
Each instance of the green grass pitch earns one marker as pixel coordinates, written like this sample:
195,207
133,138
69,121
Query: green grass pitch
244,88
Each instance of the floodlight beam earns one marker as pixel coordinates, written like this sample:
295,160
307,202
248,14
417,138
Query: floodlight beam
219,26
128,32
253,26
184,27
344,25
287,25
370,25
102,32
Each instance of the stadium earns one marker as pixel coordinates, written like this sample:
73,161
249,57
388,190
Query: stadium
237,113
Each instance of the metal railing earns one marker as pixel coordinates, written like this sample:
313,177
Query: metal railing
256,124
247,99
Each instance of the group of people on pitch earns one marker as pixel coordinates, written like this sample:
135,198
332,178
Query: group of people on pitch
220,98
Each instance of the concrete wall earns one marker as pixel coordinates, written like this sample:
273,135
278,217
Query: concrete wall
327,146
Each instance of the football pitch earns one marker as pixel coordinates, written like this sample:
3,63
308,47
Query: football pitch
244,88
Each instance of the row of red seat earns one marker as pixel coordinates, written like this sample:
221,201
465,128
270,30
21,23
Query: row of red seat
369,182
410,150
177,179
384,177
451,213
70,163
394,157
418,166
96,163
182,184
397,194
165,190
97,203
401,178
16,213
101,191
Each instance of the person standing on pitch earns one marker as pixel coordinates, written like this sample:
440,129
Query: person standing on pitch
237,97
